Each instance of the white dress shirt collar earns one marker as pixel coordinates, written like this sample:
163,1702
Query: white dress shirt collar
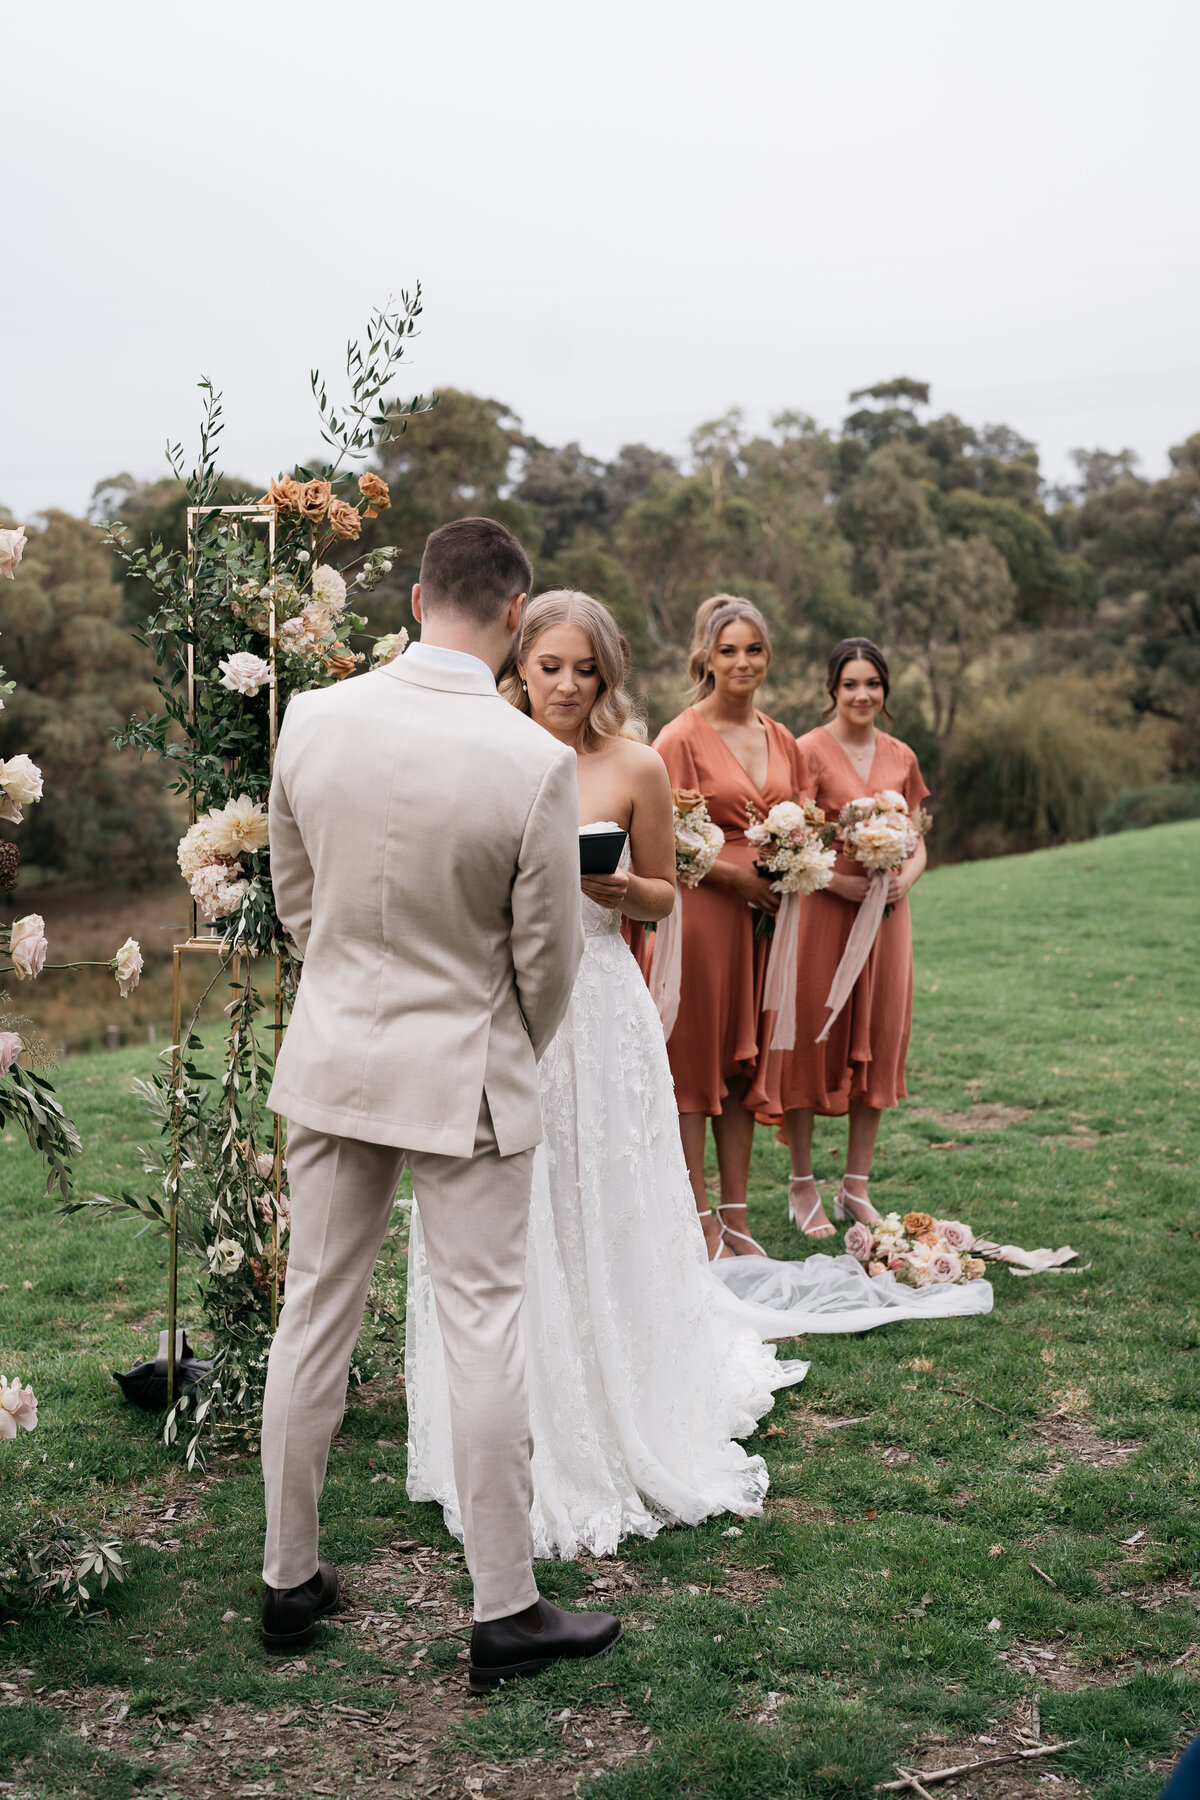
436,656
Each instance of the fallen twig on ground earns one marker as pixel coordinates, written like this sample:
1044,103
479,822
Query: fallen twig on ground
1043,1575
976,1399
985,1762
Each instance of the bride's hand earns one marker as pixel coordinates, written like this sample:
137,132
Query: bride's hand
607,890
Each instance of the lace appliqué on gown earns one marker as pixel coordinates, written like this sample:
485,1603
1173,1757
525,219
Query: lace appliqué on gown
641,1372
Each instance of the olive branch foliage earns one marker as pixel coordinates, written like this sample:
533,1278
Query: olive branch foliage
208,602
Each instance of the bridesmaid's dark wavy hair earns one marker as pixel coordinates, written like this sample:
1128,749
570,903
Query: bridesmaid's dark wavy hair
856,650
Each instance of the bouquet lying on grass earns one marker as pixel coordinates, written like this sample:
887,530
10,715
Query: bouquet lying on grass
918,1250
792,845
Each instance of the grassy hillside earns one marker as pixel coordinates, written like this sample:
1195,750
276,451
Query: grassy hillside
982,1534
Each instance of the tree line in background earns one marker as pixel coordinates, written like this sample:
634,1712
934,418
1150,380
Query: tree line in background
1044,642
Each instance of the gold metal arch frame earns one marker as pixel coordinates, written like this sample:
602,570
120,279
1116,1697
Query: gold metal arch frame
199,943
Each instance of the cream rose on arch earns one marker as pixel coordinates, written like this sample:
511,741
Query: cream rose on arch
27,945
20,785
127,966
12,548
329,588
244,673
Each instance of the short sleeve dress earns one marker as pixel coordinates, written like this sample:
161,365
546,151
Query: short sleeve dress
719,1027
862,1060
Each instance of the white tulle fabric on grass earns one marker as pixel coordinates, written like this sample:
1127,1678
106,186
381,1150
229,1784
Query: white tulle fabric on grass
832,1294
642,1370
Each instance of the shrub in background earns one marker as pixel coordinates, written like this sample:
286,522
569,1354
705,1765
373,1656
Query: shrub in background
1163,804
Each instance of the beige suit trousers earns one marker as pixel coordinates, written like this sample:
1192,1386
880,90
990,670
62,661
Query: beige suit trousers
475,1214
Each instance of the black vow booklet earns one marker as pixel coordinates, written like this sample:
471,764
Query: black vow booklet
600,851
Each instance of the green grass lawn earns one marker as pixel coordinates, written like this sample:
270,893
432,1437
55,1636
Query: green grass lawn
887,1609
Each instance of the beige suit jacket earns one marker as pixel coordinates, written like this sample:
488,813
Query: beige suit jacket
424,855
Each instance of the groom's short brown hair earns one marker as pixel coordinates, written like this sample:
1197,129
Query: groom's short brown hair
473,567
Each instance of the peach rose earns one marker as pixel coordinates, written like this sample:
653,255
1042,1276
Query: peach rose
10,1048
283,494
27,946
313,500
917,1222
683,799
375,491
973,1267
876,1268
345,520
341,666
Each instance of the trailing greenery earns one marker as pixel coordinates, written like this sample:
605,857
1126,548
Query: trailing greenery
917,1475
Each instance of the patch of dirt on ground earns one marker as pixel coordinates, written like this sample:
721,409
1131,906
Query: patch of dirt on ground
983,1115
1021,1730
1073,1438
801,1512
1080,1137
401,1747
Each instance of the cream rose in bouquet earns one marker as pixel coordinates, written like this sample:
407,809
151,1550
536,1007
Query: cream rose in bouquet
698,842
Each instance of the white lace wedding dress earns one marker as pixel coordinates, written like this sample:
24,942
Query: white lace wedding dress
644,1362
641,1376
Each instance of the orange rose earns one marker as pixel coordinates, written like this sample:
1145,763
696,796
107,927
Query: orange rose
683,799
313,499
917,1222
283,494
345,520
341,666
375,491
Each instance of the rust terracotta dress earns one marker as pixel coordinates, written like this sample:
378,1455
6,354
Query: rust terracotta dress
718,1031
862,1060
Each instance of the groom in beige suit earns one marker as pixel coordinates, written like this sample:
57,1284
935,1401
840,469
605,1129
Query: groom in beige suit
424,856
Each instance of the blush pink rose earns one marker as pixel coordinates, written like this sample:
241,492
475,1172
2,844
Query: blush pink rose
858,1242
945,1266
27,946
955,1236
10,1048
876,1268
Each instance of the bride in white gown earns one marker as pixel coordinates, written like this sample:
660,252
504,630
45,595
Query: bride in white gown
642,1369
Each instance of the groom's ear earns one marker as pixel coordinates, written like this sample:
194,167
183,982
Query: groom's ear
512,618
416,603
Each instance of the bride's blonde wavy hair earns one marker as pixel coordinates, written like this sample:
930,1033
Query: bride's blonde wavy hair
614,711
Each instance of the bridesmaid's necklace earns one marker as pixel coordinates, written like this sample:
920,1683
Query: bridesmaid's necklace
861,758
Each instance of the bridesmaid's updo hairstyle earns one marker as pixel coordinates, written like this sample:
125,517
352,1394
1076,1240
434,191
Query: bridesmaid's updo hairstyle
614,712
855,650
712,616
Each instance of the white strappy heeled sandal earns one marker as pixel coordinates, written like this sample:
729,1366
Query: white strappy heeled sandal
815,1222
743,1237
855,1209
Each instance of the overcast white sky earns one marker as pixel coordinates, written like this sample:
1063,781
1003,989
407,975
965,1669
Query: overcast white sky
627,218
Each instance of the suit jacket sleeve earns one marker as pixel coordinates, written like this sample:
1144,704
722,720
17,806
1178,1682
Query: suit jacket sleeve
291,870
547,929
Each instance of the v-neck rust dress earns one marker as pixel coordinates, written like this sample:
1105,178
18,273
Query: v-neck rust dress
718,1032
862,1060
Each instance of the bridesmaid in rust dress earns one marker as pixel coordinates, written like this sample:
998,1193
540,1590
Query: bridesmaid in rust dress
736,756
859,1069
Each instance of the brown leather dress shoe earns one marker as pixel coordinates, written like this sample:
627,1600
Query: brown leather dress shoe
289,1615
503,1649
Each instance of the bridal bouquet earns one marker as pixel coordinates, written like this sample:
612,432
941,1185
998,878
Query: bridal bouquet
918,1249
698,842
793,853
879,832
